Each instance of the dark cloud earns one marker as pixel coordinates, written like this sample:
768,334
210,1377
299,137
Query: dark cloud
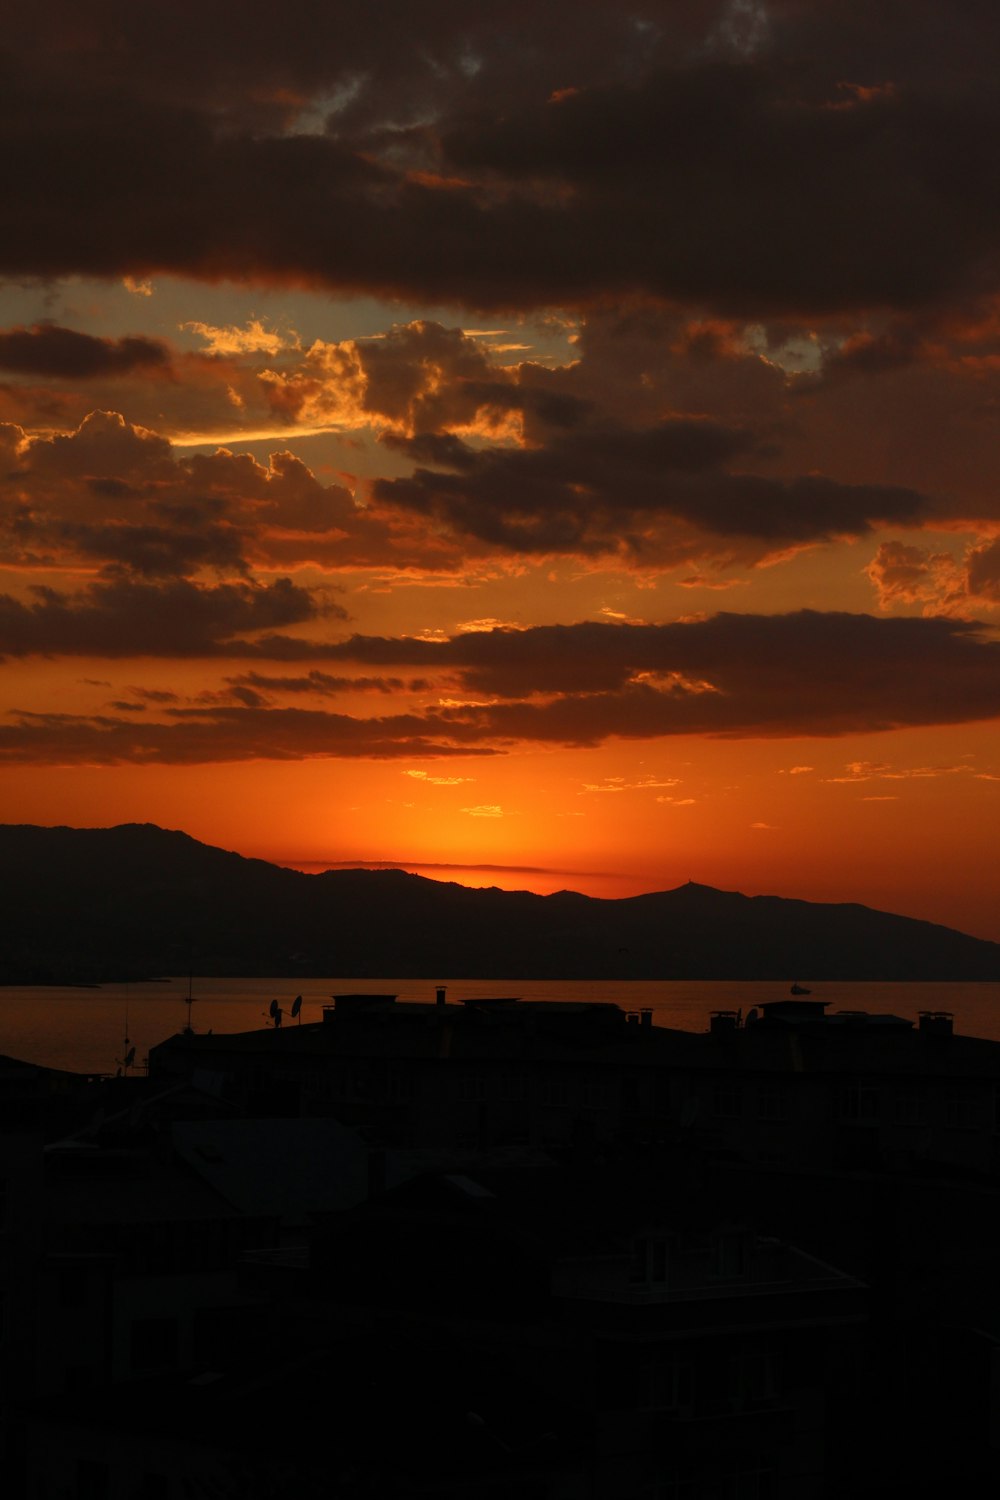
800,673
323,683
549,407
418,374
787,192
117,493
824,159
155,695
210,391
149,551
404,68
225,734
421,377
45,350
125,618
653,493
938,582
730,676
868,353
600,490
111,454
984,571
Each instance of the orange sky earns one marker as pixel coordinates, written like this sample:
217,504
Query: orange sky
429,448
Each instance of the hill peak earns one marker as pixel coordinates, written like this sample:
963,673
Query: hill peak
138,899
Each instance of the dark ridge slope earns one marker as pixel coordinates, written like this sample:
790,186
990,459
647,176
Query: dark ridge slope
89,904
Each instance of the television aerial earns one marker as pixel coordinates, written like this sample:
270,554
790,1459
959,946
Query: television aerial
129,1059
122,1064
189,1029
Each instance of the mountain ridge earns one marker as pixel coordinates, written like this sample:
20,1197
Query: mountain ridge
134,900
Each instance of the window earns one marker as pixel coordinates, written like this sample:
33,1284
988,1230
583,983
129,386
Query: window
671,1382
401,1089
694,1251
631,1093
912,1109
728,1101
659,1379
513,1088
857,1101
93,1479
472,1087
731,1255
679,1489
595,1093
772,1102
650,1260
754,1378
759,1483
346,1083
961,1112
555,1091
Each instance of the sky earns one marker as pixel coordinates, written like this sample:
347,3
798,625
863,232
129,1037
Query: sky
550,446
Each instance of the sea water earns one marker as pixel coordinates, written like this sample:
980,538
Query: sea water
84,1029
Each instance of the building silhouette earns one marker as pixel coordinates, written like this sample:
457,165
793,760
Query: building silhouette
507,1249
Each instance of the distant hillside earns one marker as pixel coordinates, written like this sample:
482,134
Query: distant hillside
85,905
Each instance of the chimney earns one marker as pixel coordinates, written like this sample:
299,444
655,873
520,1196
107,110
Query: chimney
936,1023
646,1019
723,1021
439,995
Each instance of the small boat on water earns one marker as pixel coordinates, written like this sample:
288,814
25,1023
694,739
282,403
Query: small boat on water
799,989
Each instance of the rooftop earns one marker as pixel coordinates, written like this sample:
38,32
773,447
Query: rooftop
780,1036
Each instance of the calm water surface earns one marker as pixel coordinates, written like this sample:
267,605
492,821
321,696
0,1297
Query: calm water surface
84,1029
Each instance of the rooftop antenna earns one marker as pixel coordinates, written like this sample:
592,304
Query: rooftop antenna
124,1063
296,1011
189,1029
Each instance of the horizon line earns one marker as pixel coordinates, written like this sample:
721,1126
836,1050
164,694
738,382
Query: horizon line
423,864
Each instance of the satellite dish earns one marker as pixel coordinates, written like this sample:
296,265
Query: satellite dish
272,1009
296,1006
130,1057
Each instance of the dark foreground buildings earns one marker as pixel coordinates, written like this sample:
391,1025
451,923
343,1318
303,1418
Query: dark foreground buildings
506,1249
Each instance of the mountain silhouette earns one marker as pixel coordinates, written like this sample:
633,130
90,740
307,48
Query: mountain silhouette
82,905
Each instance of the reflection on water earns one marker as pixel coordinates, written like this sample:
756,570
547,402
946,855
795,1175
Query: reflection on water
83,1029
